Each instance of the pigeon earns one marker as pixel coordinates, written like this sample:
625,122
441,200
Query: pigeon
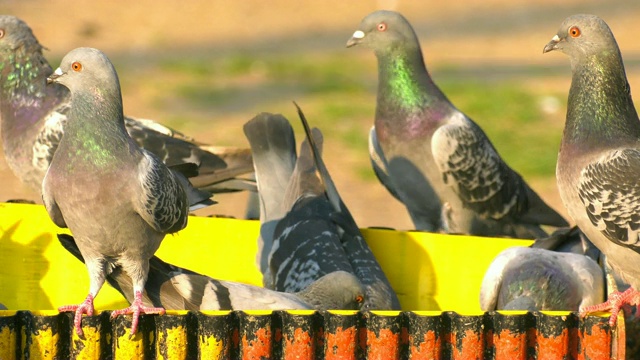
555,273
117,199
174,288
33,117
378,290
599,159
534,279
307,236
431,156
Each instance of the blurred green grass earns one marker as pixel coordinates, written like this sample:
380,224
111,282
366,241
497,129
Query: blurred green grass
338,94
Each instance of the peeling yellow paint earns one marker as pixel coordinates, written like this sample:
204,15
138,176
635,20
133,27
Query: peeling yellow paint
44,345
7,343
174,342
211,348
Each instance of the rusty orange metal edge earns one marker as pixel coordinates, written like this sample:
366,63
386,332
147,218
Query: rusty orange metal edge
309,335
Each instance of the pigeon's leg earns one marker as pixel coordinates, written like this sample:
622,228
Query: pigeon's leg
617,300
139,277
96,280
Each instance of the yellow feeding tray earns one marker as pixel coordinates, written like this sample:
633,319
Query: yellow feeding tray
437,278
427,271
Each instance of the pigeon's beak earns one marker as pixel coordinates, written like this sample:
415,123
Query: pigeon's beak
355,39
552,45
53,77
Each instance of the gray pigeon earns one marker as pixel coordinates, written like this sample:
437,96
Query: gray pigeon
307,235
34,115
378,290
175,288
118,200
599,159
428,153
532,279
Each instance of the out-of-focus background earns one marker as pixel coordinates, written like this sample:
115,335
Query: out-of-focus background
206,67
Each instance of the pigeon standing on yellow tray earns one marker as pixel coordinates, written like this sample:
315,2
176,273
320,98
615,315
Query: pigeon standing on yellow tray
428,153
118,200
33,117
598,168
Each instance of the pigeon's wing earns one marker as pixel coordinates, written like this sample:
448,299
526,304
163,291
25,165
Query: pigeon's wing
49,137
492,280
610,192
471,165
483,181
161,201
51,205
379,293
306,247
379,163
211,294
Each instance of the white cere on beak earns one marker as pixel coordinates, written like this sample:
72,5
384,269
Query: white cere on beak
358,34
555,38
58,72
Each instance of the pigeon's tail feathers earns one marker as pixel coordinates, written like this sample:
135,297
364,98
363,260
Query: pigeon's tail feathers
197,199
304,180
273,145
541,213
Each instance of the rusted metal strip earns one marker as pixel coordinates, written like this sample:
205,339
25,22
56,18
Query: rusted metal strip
340,335
424,334
381,332
256,334
308,335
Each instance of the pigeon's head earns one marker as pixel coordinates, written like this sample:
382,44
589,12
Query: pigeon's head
338,290
88,69
582,36
15,34
385,31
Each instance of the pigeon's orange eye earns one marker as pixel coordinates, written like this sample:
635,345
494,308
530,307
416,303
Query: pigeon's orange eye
76,66
382,27
359,299
1,33
574,32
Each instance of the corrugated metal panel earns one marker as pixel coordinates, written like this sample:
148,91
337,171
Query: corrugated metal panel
308,335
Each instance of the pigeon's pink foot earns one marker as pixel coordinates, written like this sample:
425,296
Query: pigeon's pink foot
85,308
136,309
617,300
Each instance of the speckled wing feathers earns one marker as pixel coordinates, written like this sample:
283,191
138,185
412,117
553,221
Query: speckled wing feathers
610,192
161,202
471,165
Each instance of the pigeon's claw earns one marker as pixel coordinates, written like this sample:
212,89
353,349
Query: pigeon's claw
85,308
136,309
617,301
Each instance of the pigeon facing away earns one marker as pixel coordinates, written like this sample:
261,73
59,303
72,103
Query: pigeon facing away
33,117
304,234
428,153
532,279
175,288
118,200
599,159
555,273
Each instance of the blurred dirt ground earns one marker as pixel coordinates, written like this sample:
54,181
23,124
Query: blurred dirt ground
475,35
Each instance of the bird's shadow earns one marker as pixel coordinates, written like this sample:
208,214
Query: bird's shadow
17,258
